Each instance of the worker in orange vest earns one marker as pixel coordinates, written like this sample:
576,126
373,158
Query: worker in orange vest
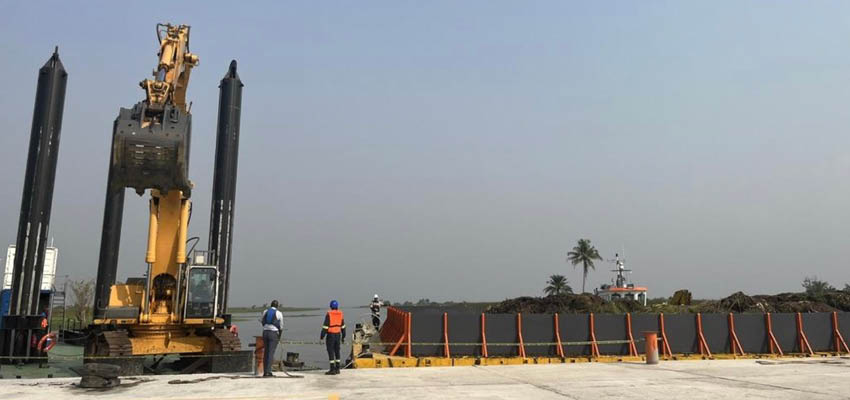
334,329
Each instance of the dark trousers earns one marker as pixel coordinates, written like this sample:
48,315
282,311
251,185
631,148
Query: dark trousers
270,339
332,343
376,320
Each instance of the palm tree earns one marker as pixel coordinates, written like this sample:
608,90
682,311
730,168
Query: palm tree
557,284
584,253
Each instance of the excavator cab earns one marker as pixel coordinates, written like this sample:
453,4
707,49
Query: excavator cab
200,294
201,290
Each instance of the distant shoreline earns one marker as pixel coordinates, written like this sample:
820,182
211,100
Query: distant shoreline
261,309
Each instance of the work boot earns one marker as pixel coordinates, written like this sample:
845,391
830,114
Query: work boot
336,368
331,370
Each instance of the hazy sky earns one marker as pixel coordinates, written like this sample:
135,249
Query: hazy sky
457,150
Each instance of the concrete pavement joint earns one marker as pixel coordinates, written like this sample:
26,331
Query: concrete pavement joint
740,381
539,386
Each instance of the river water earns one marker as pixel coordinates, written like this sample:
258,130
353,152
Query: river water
303,326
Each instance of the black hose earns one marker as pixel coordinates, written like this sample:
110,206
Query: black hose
196,239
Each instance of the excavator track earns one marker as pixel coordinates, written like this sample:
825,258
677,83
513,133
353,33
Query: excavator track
113,347
228,341
110,344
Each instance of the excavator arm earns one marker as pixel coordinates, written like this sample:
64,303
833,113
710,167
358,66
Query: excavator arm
151,140
171,75
150,153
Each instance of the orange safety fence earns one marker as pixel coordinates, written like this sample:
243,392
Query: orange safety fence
396,336
396,329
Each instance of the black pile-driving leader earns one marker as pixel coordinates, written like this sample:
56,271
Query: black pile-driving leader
24,319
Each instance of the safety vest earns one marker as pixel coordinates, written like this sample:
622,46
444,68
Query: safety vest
334,321
270,318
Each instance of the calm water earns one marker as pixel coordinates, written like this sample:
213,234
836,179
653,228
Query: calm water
303,326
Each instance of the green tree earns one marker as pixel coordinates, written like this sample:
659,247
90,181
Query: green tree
583,253
83,294
815,287
557,284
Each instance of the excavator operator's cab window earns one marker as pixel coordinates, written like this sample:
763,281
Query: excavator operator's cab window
200,296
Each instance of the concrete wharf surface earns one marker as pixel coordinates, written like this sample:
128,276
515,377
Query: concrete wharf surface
802,378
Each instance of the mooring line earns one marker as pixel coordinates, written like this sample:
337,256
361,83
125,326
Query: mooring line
317,343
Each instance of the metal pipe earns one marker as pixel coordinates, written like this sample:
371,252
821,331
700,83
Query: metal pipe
110,240
153,229
146,302
183,231
651,350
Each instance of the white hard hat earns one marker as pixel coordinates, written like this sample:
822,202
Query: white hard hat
376,296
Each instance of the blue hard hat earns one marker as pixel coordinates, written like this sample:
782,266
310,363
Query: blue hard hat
334,304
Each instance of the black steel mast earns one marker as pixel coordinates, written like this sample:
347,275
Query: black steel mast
36,203
224,179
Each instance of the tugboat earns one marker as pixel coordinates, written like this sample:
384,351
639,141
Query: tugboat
620,289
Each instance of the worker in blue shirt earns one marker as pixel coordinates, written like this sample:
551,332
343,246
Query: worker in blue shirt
272,321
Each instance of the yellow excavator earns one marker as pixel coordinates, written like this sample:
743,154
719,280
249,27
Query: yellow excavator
177,307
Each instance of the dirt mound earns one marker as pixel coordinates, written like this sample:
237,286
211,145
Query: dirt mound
564,303
839,299
736,303
801,302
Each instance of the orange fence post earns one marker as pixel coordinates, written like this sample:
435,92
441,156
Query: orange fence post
594,348
703,346
446,335
734,343
560,348
407,350
836,334
665,345
801,336
397,345
519,335
395,318
632,348
483,336
774,345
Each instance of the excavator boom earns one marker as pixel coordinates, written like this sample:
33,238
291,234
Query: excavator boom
175,307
